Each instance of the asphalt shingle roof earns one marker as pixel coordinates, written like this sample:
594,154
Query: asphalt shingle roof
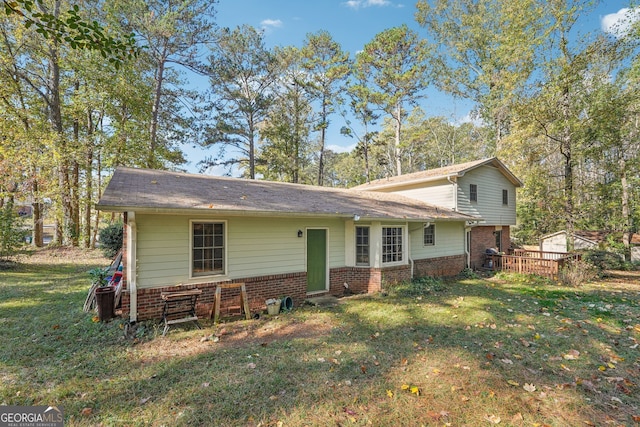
154,190
443,172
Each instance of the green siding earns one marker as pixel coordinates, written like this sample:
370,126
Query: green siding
490,182
255,247
438,192
449,241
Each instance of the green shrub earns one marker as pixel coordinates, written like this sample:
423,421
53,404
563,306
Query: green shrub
11,233
468,273
417,287
111,239
578,272
604,260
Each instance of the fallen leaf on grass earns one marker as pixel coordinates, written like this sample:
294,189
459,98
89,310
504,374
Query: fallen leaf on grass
571,355
363,369
513,383
251,365
389,393
517,418
493,419
415,390
86,412
529,387
144,400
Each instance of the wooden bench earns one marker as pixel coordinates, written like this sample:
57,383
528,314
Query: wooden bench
179,307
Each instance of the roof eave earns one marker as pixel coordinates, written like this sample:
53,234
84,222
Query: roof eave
256,213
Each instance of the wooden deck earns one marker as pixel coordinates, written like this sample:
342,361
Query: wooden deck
546,264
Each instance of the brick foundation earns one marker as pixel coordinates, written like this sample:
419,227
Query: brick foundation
440,267
294,285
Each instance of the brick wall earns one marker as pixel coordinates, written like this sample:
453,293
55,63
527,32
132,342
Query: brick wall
443,266
360,280
294,285
483,238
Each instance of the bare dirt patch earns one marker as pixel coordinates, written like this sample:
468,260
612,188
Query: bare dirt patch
238,334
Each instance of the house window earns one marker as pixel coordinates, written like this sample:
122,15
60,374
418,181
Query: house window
473,192
505,197
362,245
429,235
391,244
208,248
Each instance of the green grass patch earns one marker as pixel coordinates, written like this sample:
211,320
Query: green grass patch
519,350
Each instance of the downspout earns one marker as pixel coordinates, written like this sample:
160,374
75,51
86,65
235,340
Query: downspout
131,267
467,231
454,184
409,250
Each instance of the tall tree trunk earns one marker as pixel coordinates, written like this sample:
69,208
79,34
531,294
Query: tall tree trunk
64,224
626,212
397,143
74,185
88,171
566,145
155,114
38,226
323,131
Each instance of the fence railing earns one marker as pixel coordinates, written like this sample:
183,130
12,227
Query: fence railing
546,264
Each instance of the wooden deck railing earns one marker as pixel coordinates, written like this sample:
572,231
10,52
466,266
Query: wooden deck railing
546,264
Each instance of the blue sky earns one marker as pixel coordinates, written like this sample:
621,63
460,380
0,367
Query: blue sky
353,24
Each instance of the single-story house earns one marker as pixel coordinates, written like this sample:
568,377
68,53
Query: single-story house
184,231
585,240
484,189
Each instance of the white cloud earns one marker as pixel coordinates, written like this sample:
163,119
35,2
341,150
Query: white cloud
357,4
270,24
341,149
618,24
470,117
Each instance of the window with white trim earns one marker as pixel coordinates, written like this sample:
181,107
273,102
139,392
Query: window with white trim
362,246
208,248
429,235
392,246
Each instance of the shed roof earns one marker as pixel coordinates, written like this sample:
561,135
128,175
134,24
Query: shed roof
440,173
162,191
594,236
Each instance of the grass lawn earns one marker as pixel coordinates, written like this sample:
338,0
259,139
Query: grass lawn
509,351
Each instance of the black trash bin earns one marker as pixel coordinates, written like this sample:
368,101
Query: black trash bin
105,300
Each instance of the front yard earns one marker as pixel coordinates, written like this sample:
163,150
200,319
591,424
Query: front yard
509,350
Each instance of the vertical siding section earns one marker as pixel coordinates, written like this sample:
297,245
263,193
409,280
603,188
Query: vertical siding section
449,241
255,247
490,182
438,193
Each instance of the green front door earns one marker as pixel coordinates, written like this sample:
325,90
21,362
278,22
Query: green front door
316,260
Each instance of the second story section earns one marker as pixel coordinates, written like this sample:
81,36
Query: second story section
482,188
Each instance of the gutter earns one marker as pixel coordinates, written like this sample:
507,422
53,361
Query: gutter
254,213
